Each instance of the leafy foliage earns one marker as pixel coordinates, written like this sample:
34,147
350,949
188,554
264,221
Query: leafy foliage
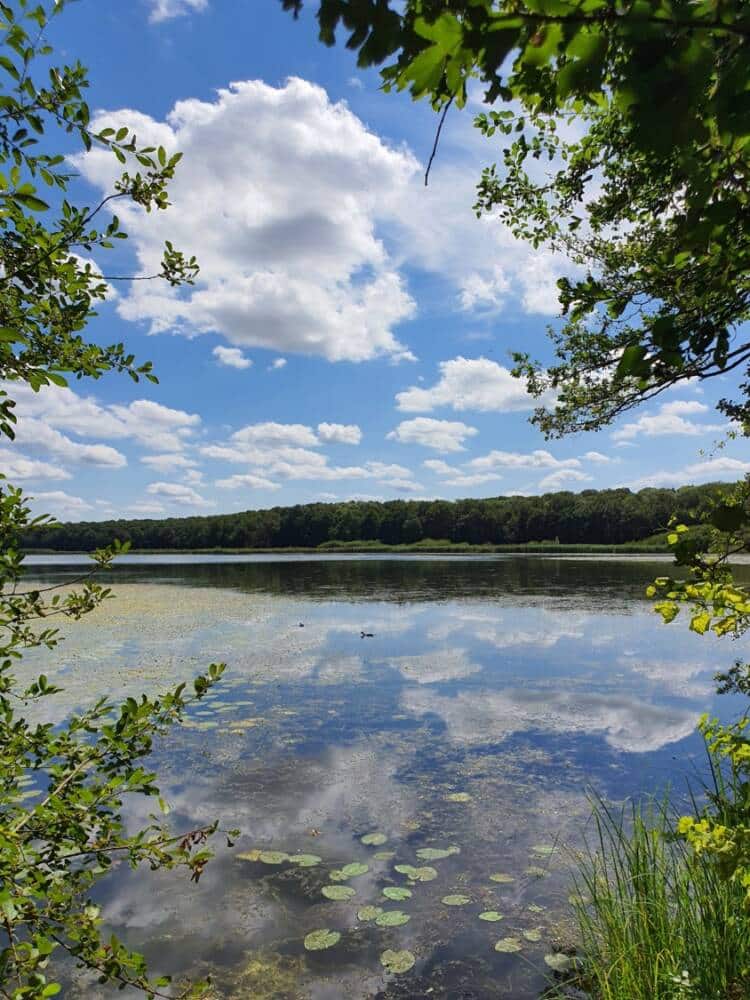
649,201
64,787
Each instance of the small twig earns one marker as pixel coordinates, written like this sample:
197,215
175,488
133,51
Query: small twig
437,140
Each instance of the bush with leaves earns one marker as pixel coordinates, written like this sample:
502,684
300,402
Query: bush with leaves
717,604
64,788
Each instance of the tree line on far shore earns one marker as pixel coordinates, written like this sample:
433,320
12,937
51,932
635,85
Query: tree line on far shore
596,517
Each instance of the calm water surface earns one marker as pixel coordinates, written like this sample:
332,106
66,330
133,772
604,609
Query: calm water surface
491,697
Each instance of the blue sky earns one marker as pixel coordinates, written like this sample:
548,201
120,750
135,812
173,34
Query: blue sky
349,334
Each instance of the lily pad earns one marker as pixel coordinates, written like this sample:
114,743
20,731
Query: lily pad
458,900
436,853
501,877
348,871
397,961
535,872
392,918
508,945
491,915
273,857
559,962
354,869
535,908
384,855
543,850
423,874
253,855
322,939
337,892
373,839
369,912
305,860
396,892
534,934
458,797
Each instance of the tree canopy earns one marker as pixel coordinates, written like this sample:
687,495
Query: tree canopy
649,199
605,517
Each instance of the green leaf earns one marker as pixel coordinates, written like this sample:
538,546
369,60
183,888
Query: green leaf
337,892
392,918
322,939
397,961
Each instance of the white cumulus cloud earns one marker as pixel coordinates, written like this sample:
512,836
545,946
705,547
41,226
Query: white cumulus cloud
468,384
231,357
339,433
285,222
165,10
442,435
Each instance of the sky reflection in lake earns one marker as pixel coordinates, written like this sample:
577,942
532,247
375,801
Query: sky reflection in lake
490,697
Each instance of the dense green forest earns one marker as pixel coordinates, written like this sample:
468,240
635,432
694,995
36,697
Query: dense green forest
595,517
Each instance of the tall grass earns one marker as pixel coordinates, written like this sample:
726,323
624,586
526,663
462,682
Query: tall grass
655,921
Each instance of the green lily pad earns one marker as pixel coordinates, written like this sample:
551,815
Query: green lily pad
384,855
355,869
535,908
535,871
273,857
543,850
534,934
508,945
337,891
559,962
373,839
348,871
501,877
424,874
305,860
491,915
397,961
392,918
322,939
253,855
436,853
396,892
458,900
369,912
458,797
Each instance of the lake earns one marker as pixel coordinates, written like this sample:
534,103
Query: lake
458,739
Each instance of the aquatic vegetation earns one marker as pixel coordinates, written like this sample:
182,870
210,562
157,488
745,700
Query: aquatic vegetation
457,900
534,871
655,910
543,850
436,853
508,945
352,870
384,855
458,797
533,934
369,912
423,874
396,892
305,860
322,939
491,916
373,839
501,878
273,857
338,892
397,961
558,961
392,918
535,908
